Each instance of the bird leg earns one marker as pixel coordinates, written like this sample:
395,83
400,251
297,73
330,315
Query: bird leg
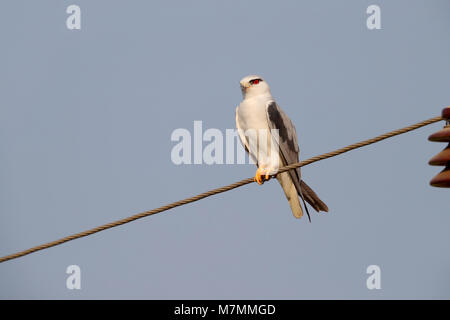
262,175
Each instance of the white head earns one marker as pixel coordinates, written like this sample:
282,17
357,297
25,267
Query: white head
254,85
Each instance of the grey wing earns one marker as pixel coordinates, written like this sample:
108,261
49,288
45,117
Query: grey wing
288,144
289,153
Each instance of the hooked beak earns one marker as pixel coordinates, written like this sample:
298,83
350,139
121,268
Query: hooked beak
244,87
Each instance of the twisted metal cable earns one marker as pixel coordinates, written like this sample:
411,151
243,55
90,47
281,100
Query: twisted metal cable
217,191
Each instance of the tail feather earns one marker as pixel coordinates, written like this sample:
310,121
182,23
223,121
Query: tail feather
295,191
312,198
291,194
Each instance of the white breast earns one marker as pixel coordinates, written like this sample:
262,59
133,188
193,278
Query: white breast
251,115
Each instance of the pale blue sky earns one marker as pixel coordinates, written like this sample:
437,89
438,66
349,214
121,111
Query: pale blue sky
85,123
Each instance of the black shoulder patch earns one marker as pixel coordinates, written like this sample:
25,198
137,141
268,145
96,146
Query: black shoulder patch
277,120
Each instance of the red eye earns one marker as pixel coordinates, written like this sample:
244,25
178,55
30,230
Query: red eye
256,81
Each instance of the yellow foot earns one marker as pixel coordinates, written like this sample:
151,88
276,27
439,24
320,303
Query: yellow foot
261,176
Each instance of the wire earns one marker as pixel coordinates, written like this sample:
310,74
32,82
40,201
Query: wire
217,191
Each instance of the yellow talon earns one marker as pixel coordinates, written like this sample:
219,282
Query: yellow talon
261,176
258,177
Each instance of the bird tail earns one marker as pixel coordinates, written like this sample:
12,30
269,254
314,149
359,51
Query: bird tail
291,194
312,198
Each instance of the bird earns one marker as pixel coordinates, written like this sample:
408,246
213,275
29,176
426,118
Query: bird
258,113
